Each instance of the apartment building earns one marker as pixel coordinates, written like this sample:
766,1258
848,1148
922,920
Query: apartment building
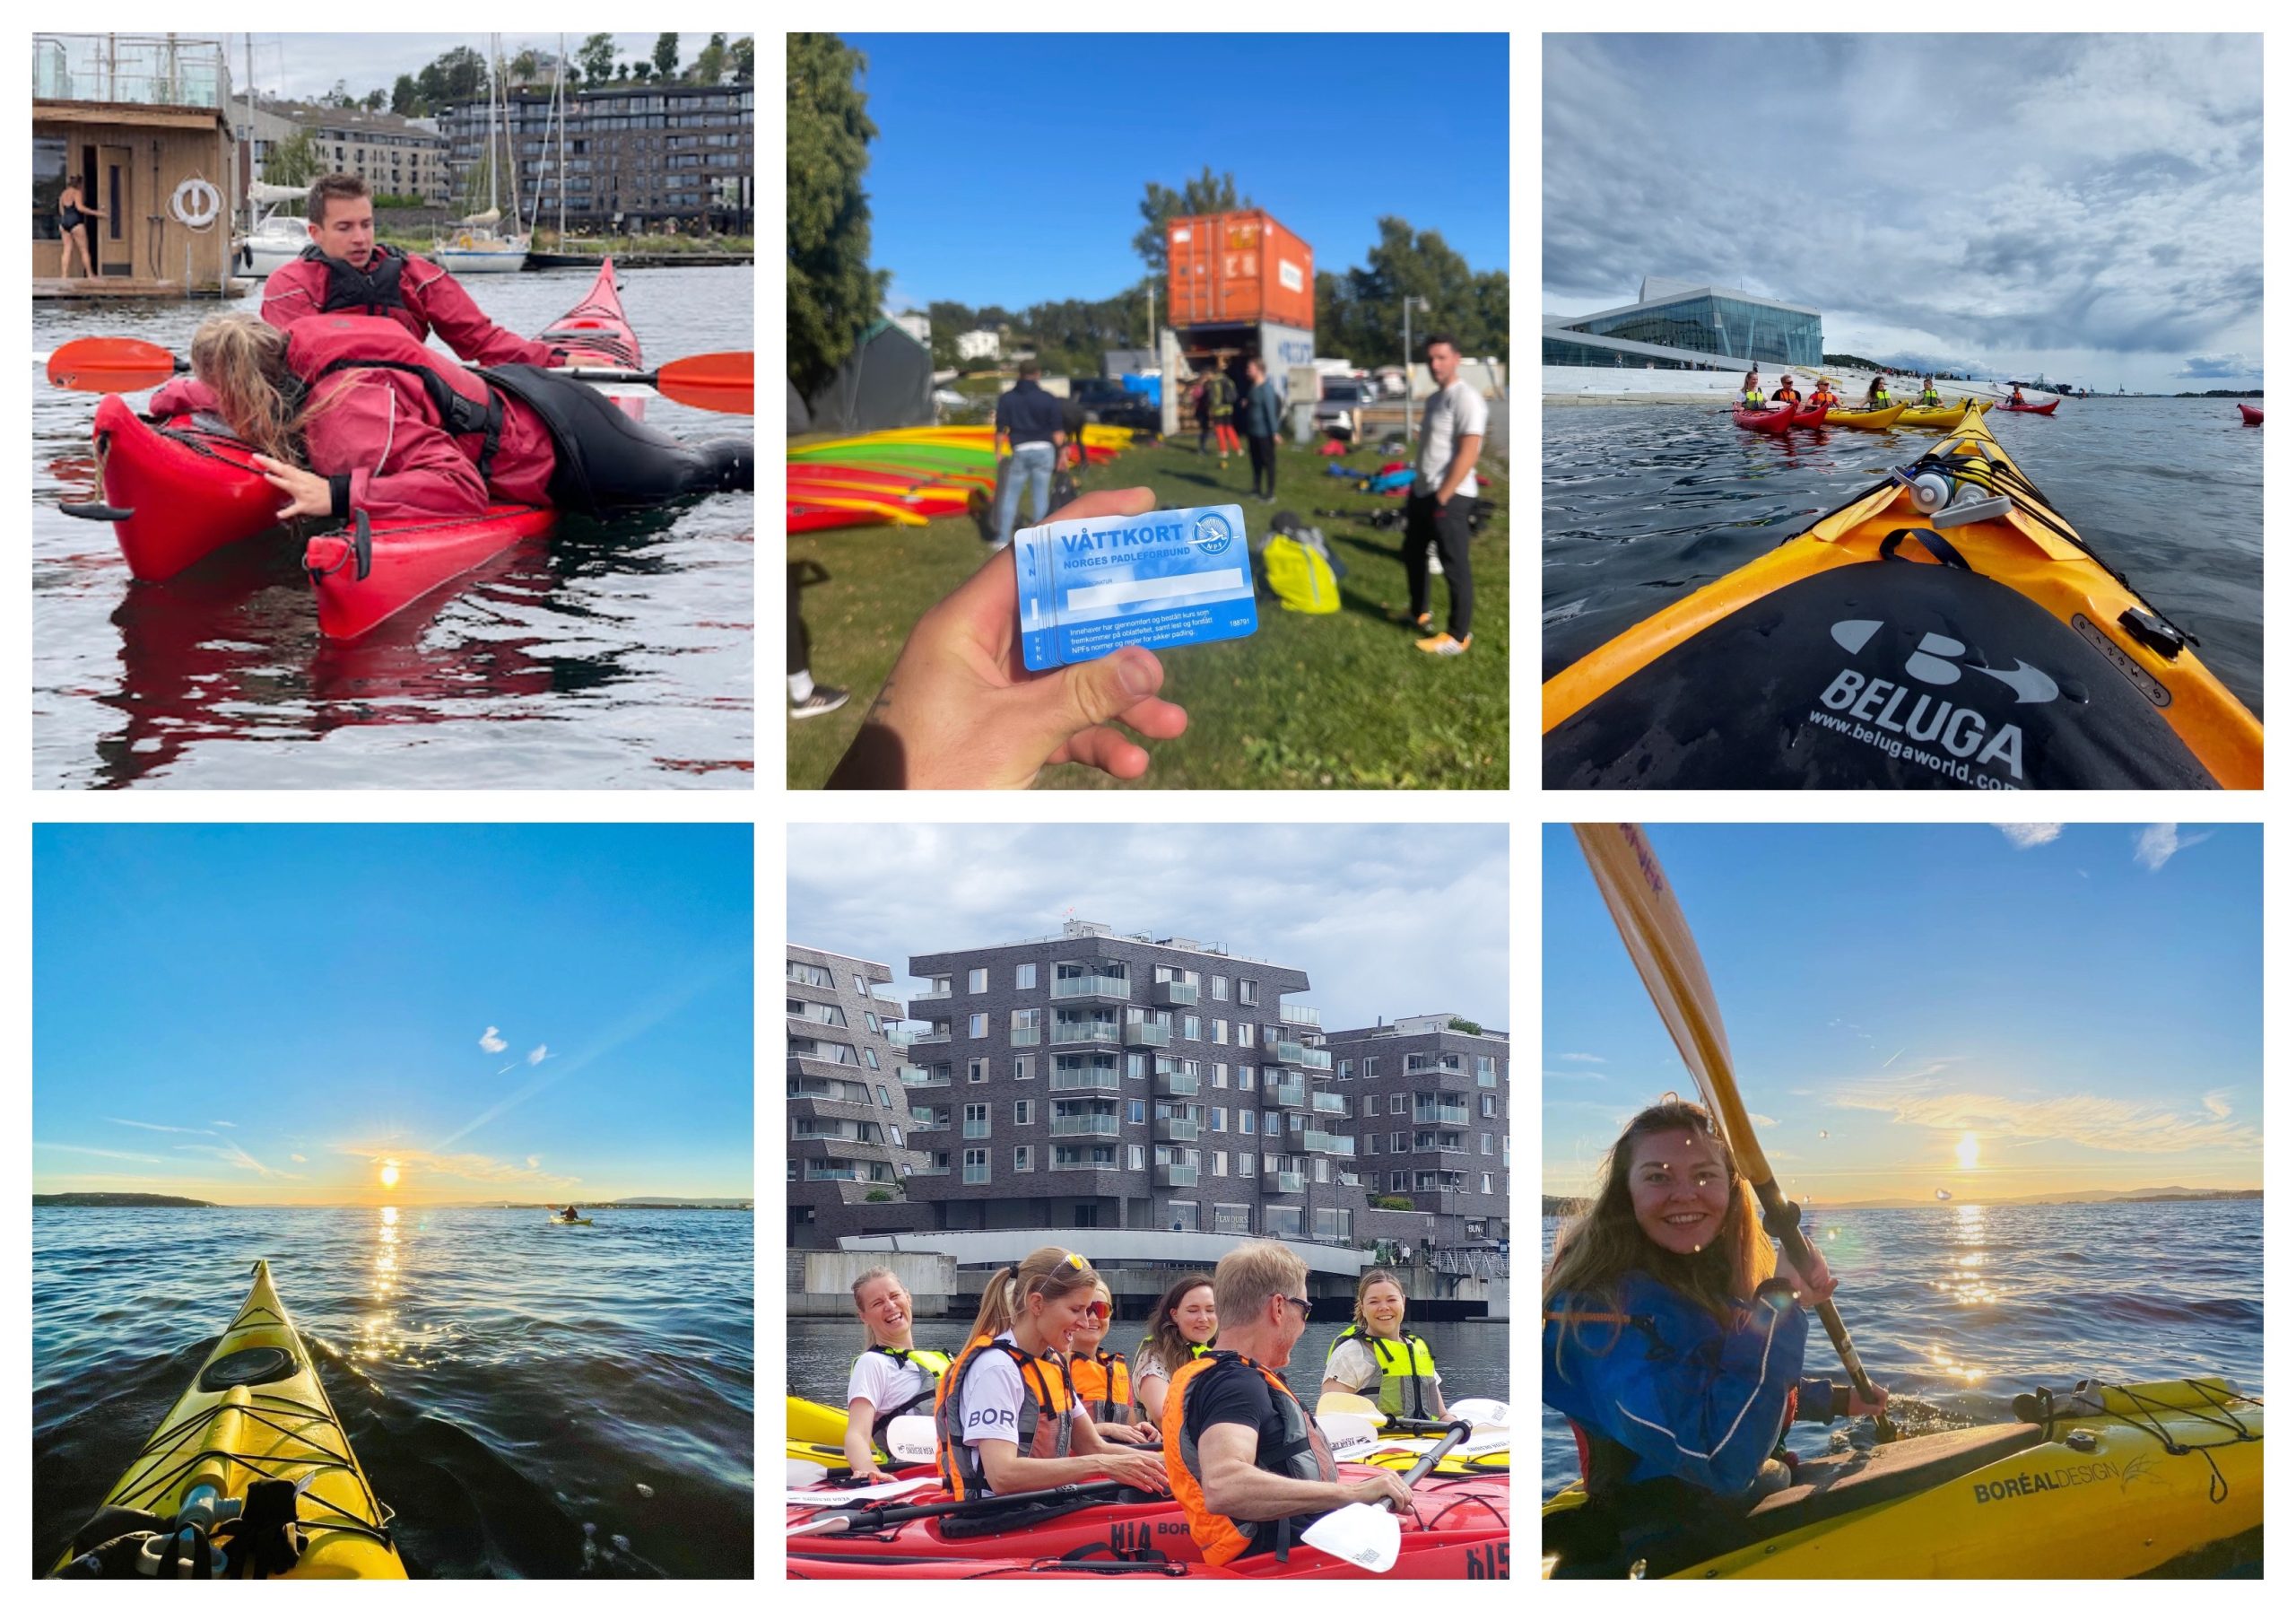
847,1106
1427,1098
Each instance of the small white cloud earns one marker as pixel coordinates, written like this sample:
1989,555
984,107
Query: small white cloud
1584,1057
2158,841
492,1042
2028,836
535,1057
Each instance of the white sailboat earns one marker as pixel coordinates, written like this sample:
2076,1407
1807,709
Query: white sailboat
279,236
478,246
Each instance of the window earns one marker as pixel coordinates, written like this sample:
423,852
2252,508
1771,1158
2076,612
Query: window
1182,1216
1024,1111
1245,1076
1346,1071
1220,1162
1247,1034
1025,976
1398,1141
1219,1033
1486,1183
1486,1070
976,981
976,1025
1490,1106
860,986
869,1056
1219,988
1395,1180
1247,992
1370,1068
1234,1219
872,1018
976,1172
1394,1102
977,1121
1370,1109
1246,1119
894,1131
976,1071
1027,1027
1137,1158
1135,1110
1219,1077
1024,1067
1191,1027
1486,1142
1022,1161
1217,1120
1246,1164
1372,1148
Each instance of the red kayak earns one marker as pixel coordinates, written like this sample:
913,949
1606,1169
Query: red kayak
175,493
2251,416
1815,414
2031,409
1423,1556
1467,1509
1779,419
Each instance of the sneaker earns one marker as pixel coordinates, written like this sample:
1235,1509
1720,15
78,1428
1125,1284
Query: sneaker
819,703
1443,643
1417,624
1434,566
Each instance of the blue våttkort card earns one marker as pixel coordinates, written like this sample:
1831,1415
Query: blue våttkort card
1087,588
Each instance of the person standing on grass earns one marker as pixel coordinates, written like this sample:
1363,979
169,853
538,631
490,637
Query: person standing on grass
1262,416
1029,431
1439,511
1221,392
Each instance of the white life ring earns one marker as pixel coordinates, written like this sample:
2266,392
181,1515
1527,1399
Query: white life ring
196,203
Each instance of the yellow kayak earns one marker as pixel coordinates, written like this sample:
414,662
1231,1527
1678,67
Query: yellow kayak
1873,419
1948,416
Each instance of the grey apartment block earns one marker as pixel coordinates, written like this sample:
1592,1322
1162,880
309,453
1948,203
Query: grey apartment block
1428,1107
846,1110
1091,1079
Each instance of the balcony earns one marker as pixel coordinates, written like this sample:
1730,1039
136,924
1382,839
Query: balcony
1284,1180
923,1080
931,993
936,1035
1140,1030
1299,1055
1087,1125
1174,993
1086,1034
1298,1013
1087,1080
1178,1083
1439,1113
919,1126
1176,1175
1324,1141
1329,1103
1057,1162
1173,1128
1114,986
930,1170
1283,1093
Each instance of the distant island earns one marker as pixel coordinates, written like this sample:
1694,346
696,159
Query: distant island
116,1200
153,1200
1554,1208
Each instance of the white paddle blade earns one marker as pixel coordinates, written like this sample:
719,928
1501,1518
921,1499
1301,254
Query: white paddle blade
1369,1535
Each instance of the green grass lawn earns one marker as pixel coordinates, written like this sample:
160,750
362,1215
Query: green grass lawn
1307,702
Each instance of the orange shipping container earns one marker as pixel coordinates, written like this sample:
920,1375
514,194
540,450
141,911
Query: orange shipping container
1233,268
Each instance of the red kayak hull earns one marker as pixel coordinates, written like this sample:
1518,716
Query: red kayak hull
1778,420
2031,409
2251,416
1815,414
1423,1556
189,492
1462,1506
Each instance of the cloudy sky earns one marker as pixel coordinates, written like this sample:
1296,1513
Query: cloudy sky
1386,920
2079,207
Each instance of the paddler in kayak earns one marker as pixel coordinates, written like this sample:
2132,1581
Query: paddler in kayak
570,1213
893,1377
1249,1465
345,270
1825,395
1786,391
1376,1357
1186,1320
1008,1418
1672,1342
1877,395
350,414
1929,397
1102,1378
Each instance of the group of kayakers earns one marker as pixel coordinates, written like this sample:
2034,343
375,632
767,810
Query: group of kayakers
349,410
1200,1409
1823,395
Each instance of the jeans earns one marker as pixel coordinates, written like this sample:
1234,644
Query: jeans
1446,535
1033,462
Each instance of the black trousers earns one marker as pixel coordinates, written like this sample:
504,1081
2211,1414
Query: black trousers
1263,450
1445,534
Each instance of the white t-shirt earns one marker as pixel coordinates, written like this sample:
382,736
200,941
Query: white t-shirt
1351,1362
885,1382
1455,411
988,1404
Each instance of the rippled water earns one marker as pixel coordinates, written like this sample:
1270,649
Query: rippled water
1644,504
535,1401
612,656
1957,1311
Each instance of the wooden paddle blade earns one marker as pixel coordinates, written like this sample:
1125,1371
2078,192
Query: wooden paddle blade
724,383
110,363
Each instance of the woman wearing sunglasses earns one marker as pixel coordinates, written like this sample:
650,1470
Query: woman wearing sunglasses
1101,1379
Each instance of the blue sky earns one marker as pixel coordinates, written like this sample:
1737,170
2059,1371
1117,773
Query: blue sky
1386,920
2079,1007
284,1014
1009,169
2083,208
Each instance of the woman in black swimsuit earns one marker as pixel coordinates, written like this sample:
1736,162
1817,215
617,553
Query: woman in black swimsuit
74,224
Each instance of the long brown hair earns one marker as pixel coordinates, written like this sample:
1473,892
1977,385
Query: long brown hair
1162,1342
1594,1252
1054,1272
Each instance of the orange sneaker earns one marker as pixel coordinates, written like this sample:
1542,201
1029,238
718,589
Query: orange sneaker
1443,643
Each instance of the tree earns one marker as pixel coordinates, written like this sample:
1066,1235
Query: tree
1203,193
709,66
407,96
665,54
373,101
1359,313
596,55
1466,1026
294,161
833,294
741,60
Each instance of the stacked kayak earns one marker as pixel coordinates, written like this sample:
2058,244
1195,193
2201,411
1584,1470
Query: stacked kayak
2251,416
906,477
1981,644
178,492
1872,419
2098,1483
255,1418
1463,1511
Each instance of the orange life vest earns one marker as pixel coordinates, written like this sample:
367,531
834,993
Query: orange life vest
1103,1383
1303,1454
1047,1397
